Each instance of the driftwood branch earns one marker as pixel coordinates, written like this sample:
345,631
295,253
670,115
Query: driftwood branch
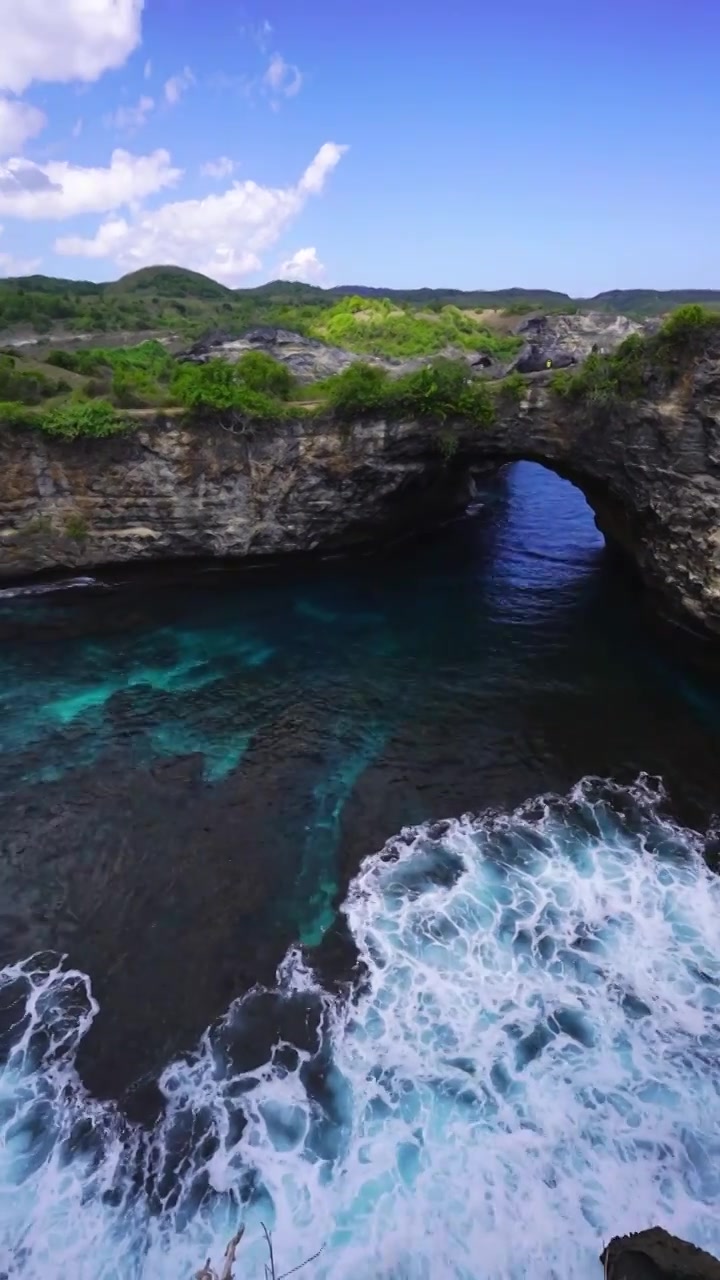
208,1273
229,1259
300,1265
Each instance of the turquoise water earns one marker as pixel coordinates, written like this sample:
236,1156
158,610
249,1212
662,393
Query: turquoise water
203,781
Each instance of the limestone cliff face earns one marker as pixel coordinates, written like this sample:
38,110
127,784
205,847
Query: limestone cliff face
167,490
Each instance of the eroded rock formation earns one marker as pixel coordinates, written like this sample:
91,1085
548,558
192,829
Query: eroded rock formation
564,340
650,471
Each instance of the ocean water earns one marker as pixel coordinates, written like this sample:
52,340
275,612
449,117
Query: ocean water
368,904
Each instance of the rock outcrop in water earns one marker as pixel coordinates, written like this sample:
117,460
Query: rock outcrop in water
650,471
656,1255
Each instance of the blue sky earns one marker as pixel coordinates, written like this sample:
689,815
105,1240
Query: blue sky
555,144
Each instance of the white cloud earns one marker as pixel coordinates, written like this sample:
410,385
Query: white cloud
11,266
220,168
147,69
62,190
282,77
131,117
77,127
326,158
62,40
220,235
18,122
303,265
177,85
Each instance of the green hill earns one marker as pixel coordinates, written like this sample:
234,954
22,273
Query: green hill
50,284
169,282
392,321
651,302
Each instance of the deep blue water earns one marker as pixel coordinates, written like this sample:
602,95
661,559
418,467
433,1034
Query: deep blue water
192,772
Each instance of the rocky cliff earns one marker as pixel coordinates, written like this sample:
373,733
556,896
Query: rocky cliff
650,471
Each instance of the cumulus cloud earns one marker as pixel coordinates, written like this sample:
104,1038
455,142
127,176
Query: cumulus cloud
282,77
62,190
220,168
18,122
303,265
220,235
131,118
12,266
62,40
177,85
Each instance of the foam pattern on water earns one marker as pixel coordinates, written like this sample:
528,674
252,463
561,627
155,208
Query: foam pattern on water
529,1068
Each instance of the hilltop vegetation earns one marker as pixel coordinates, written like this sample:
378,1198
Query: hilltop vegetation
187,303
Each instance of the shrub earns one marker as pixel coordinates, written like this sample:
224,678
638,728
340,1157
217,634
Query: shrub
29,387
689,323
63,360
260,372
13,414
512,388
131,388
447,444
565,384
217,385
359,389
95,418
442,390
76,527
683,336
372,326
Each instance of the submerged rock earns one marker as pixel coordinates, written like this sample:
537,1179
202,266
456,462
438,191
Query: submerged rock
656,1255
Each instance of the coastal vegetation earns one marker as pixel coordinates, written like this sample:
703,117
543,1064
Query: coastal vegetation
100,391
606,381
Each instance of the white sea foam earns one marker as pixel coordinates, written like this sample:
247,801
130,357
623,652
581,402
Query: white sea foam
48,588
530,1067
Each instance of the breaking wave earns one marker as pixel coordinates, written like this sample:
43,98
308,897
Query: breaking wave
528,1066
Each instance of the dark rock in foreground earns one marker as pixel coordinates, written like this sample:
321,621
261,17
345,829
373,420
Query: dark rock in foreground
656,1255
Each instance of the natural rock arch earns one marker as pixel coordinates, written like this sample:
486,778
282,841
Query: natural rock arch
650,470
